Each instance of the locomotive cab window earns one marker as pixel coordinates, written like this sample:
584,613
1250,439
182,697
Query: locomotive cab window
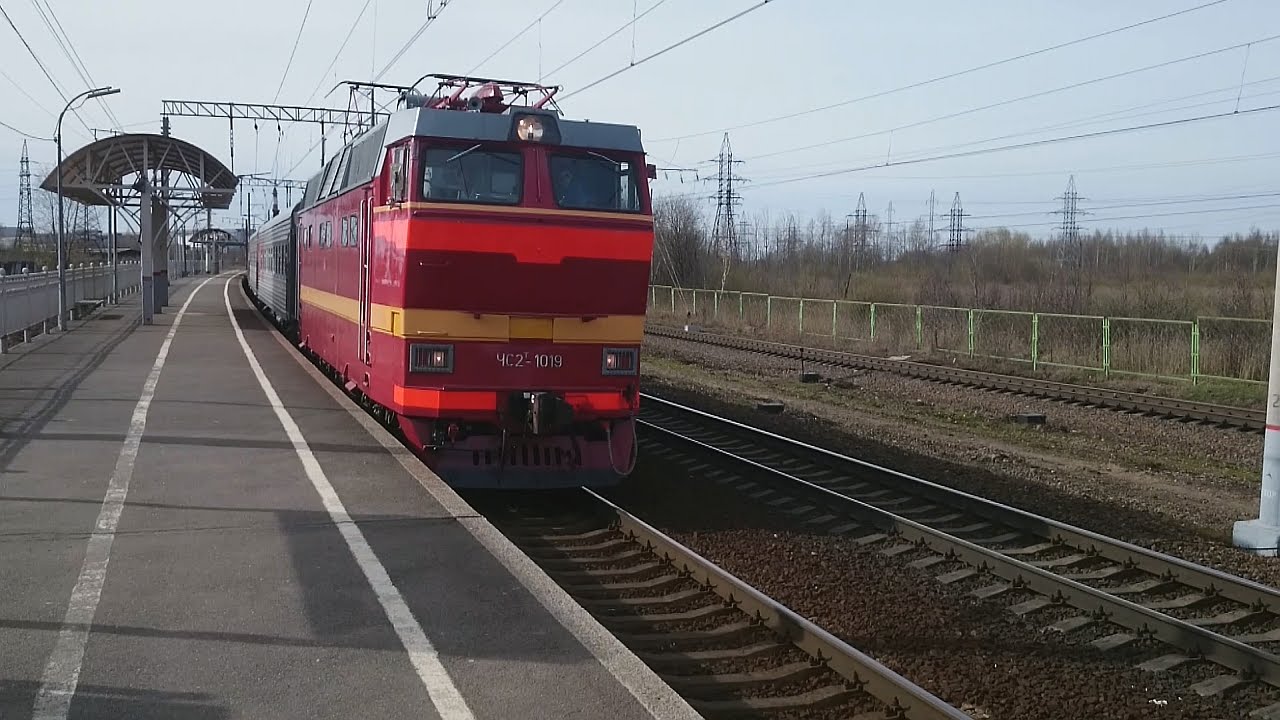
399,173
474,175
595,182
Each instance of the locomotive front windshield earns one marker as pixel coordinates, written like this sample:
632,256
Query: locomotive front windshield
594,182
472,175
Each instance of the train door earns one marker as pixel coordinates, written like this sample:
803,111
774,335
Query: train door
364,234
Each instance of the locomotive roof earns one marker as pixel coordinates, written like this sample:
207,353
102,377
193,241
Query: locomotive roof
497,127
358,161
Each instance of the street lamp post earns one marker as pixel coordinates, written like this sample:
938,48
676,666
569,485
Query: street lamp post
62,270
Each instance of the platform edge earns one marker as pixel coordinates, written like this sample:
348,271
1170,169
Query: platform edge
657,698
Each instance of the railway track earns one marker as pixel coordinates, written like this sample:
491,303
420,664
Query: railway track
727,648
1072,580
1224,415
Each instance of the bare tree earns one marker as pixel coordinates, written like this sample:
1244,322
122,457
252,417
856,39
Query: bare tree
682,253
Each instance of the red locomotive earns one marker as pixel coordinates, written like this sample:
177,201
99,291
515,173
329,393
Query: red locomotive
475,270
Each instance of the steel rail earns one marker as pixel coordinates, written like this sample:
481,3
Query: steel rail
1233,587
1244,418
1193,639
864,672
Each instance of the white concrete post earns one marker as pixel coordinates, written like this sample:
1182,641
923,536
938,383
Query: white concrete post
1262,535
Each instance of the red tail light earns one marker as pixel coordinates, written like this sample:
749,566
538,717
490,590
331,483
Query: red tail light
620,361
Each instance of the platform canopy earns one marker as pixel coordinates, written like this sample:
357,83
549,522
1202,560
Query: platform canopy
116,169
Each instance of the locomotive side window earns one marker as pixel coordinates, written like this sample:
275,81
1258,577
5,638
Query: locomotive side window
594,182
472,175
399,173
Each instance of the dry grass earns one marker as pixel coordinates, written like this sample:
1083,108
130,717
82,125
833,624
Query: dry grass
1127,305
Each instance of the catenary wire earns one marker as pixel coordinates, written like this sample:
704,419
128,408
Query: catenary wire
941,78
45,70
68,47
515,37
297,39
669,48
1020,146
606,38
1010,101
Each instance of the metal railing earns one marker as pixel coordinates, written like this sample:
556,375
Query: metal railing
1205,347
29,300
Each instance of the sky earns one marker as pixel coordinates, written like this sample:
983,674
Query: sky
1205,177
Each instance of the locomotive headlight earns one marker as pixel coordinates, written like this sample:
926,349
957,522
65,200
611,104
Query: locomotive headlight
619,361
430,358
530,128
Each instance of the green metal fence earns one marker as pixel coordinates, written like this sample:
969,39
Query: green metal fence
1208,347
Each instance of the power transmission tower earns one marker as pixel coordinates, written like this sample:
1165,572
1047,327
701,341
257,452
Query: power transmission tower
725,232
26,221
956,228
860,225
1071,249
932,237
888,245
1070,227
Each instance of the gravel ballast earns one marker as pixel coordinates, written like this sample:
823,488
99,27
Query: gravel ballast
976,655
1171,486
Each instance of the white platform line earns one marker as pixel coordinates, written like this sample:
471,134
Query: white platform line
445,696
654,694
62,673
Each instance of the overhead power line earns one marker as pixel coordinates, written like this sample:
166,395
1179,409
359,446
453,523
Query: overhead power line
1025,145
941,78
336,55
1118,206
515,37
43,69
669,48
433,12
1053,172
1107,169
73,56
1127,113
302,26
26,94
24,134
434,8
606,38
1010,101
1121,114
1203,211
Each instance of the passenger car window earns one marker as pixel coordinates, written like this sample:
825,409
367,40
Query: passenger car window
594,182
472,175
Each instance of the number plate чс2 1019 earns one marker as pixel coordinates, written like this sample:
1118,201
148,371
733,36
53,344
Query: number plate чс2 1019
530,360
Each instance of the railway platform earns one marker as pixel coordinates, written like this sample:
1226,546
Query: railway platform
195,524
